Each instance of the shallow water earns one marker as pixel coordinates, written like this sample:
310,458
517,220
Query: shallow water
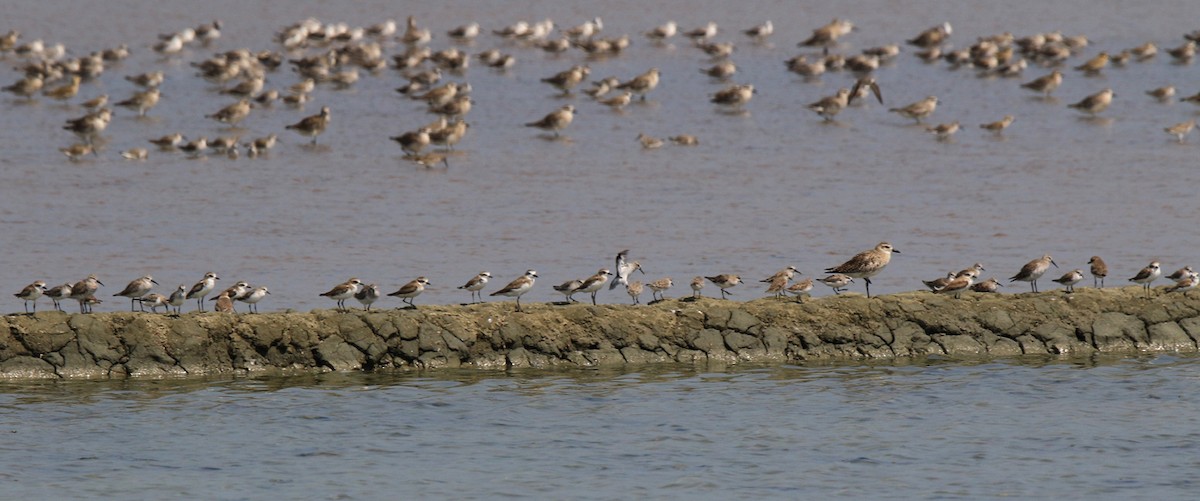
768,188
1029,428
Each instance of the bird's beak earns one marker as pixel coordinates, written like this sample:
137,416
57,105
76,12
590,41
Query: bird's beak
1054,263
153,282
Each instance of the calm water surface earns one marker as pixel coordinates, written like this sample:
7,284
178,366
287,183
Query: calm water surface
769,187
1050,429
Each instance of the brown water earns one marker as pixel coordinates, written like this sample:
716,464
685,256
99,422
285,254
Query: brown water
770,187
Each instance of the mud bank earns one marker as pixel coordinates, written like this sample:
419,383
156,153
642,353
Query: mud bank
494,336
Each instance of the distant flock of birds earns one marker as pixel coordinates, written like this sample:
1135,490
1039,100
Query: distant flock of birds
863,265
332,54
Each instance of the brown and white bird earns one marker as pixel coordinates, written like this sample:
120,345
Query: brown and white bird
734,96
801,288
919,109
1094,103
725,281
863,86
1186,283
367,295
568,289
518,287
413,142
642,84
232,114
476,284
568,79
409,291
1180,274
312,126
697,285
944,131
932,37
658,287
1034,270
866,264
84,291
1069,280
1094,65
594,283
1181,130
202,288
136,289
343,291
998,126
1045,84
634,289
958,284
829,106
32,292
1147,275
989,285
556,120
837,282
1099,271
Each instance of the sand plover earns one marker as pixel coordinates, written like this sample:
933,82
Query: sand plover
624,269
1094,103
136,289
142,101
1033,270
1099,271
312,126
1180,274
838,282
1185,283
232,114
1147,276
634,289
409,291
1069,280
1095,64
569,78
1181,130
697,285
658,287
594,283
202,288
556,120
254,297
84,291
476,284
919,109
866,264
958,284
32,292
343,291
518,287
725,281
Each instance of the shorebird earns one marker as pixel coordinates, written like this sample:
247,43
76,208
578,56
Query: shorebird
778,286
634,289
77,151
918,110
1163,94
312,126
476,284
938,283
721,70
725,281
801,66
787,273
1183,53
624,269
989,285
584,30
943,131
65,91
91,125
1099,271
409,291
555,120
136,289
568,79
177,298
154,301
619,101
367,295
704,32
1094,103
1186,283
343,291
863,86
464,33
829,34
202,288
32,292
830,106
1034,270
83,291
232,114
760,32
801,288
684,140
958,284
568,289
1180,274
518,287
932,37
59,293
662,31
26,87
837,282
998,126
866,264
594,283
1145,51
135,154
1094,65
1069,280
1147,276
642,84
658,287
413,142
254,297
1045,84
1181,130
734,95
